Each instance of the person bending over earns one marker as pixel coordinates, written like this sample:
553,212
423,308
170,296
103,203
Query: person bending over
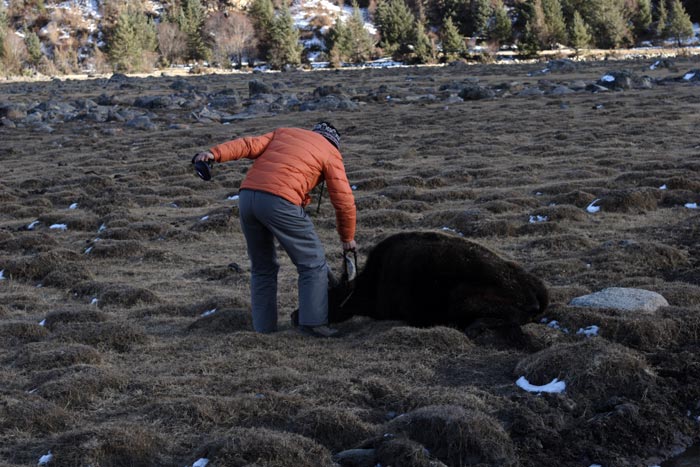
288,164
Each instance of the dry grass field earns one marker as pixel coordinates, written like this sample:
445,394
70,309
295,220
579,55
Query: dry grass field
111,353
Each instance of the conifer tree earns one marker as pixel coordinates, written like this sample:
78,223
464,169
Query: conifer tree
133,43
33,44
423,50
191,21
535,35
338,42
395,22
642,18
580,35
452,40
285,48
502,28
262,14
351,42
661,19
679,26
481,13
361,44
610,25
555,26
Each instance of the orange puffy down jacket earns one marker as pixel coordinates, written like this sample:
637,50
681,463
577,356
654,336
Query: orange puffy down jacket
290,162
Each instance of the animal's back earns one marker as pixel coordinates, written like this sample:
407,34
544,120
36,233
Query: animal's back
429,278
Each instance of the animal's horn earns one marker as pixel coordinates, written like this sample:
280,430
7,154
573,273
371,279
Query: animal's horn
350,267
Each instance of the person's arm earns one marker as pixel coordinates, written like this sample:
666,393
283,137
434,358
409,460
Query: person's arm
343,201
248,147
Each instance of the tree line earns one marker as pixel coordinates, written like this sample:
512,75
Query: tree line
132,38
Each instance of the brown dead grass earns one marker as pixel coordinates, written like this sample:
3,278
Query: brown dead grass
143,369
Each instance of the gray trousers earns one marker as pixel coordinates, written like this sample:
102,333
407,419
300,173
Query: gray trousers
265,217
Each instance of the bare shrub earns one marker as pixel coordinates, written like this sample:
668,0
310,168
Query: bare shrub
172,43
14,54
65,58
232,36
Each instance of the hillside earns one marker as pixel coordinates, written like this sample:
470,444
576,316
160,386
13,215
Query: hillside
51,37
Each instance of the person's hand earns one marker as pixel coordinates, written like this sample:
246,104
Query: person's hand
205,156
349,246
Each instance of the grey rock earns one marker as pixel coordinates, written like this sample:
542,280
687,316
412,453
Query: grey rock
13,112
153,102
7,123
34,117
181,85
561,90
472,92
596,88
256,87
692,76
563,65
43,128
528,92
141,123
622,298
118,78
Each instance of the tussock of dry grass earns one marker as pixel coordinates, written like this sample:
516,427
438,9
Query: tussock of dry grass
39,266
457,436
117,249
636,201
77,385
110,445
115,294
28,242
593,368
33,414
115,335
37,357
333,427
15,332
250,446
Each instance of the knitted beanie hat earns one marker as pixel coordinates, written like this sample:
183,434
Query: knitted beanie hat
329,132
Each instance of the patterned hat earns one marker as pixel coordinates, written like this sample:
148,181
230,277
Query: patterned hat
329,132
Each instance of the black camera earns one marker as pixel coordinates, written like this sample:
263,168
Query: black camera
202,168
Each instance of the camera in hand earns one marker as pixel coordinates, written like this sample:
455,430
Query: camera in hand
202,168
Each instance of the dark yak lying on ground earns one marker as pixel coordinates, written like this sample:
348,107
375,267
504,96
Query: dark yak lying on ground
430,278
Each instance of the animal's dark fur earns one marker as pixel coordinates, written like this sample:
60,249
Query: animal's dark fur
430,278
